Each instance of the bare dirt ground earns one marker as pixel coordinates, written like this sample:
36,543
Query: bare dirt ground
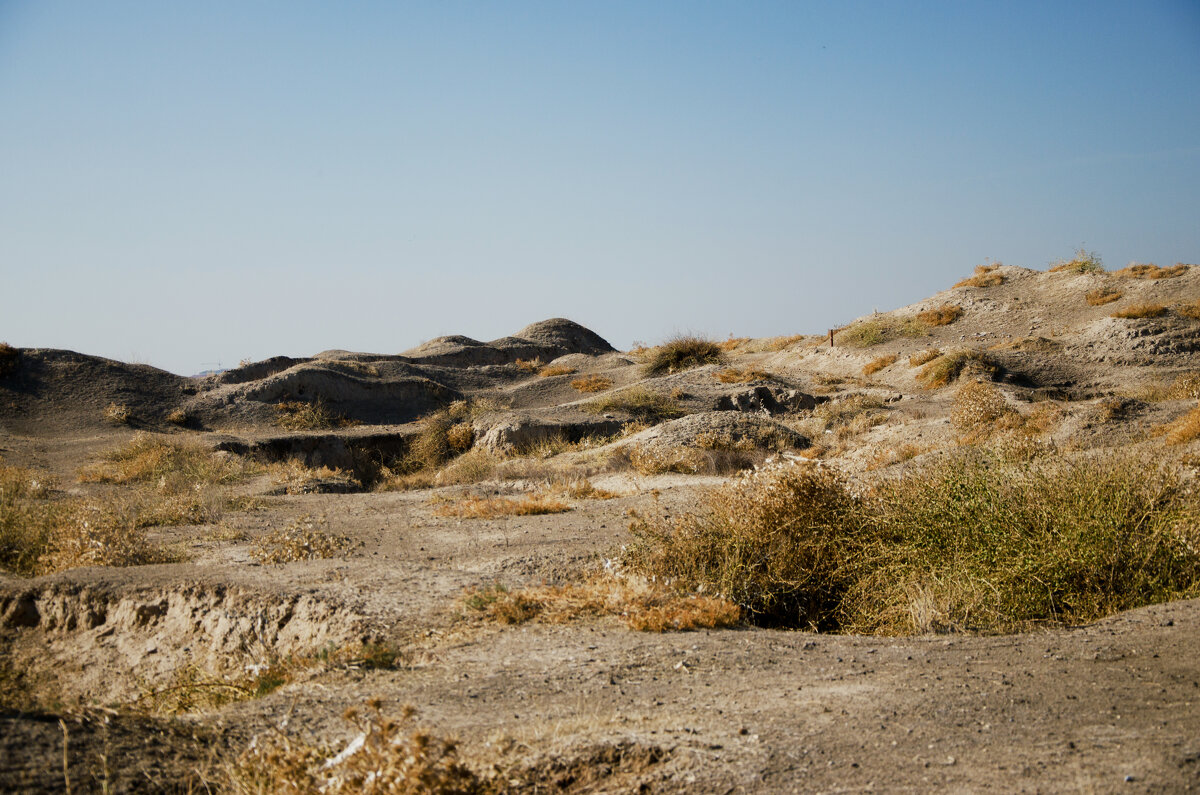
589,705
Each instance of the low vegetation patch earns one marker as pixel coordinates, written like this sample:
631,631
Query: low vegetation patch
592,383
947,368
1190,310
682,353
476,507
301,415
985,276
638,401
1102,296
924,357
866,333
644,607
171,465
1137,270
980,410
528,365
1139,311
944,315
976,543
1083,262
732,375
10,357
117,414
1185,429
551,370
878,363
307,538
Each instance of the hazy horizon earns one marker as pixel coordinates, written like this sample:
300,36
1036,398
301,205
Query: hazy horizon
187,185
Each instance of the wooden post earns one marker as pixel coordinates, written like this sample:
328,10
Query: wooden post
831,338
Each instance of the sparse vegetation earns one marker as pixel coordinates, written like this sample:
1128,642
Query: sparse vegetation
878,363
1185,429
980,410
476,507
638,401
178,417
1190,310
171,465
528,365
9,358
302,415
1139,311
592,383
1083,262
306,538
924,357
943,315
683,353
947,368
551,370
976,543
1137,270
732,375
985,276
866,333
1102,296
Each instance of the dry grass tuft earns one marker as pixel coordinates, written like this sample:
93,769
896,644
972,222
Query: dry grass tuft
474,507
877,364
732,375
924,357
551,370
638,401
1139,311
172,466
683,353
1102,296
944,315
985,276
1082,262
977,543
9,358
980,410
1191,310
528,365
592,383
179,417
1183,430
866,333
387,755
644,607
1137,270
948,367
301,415
304,539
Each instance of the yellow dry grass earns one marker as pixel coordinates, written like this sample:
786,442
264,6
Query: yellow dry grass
528,365
1137,270
923,357
1183,430
306,538
732,375
475,507
943,315
877,364
592,383
985,276
1102,296
551,370
1139,311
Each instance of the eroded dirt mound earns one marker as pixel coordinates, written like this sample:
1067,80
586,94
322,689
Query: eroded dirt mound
542,341
716,430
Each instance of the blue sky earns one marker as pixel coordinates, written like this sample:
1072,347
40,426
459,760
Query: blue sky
184,184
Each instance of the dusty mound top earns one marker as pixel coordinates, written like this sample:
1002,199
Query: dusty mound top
546,340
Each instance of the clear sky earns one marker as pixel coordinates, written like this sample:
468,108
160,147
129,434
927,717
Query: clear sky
191,183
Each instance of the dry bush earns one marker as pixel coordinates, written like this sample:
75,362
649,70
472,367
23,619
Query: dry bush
866,333
733,343
179,417
592,383
28,516
1191,310
655,460
971,543
1082,262
1137,270
1183,430
474,507
98,532
528,365
1138,311
304,539
924,357
944,315
898,455
117,414
985,276
170,465
732,375
948,367
643,606
980,409
683,353
1102,296
444,434
387,755
638,401
9,358
581,489
551,370
296,478
878,363
301,415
